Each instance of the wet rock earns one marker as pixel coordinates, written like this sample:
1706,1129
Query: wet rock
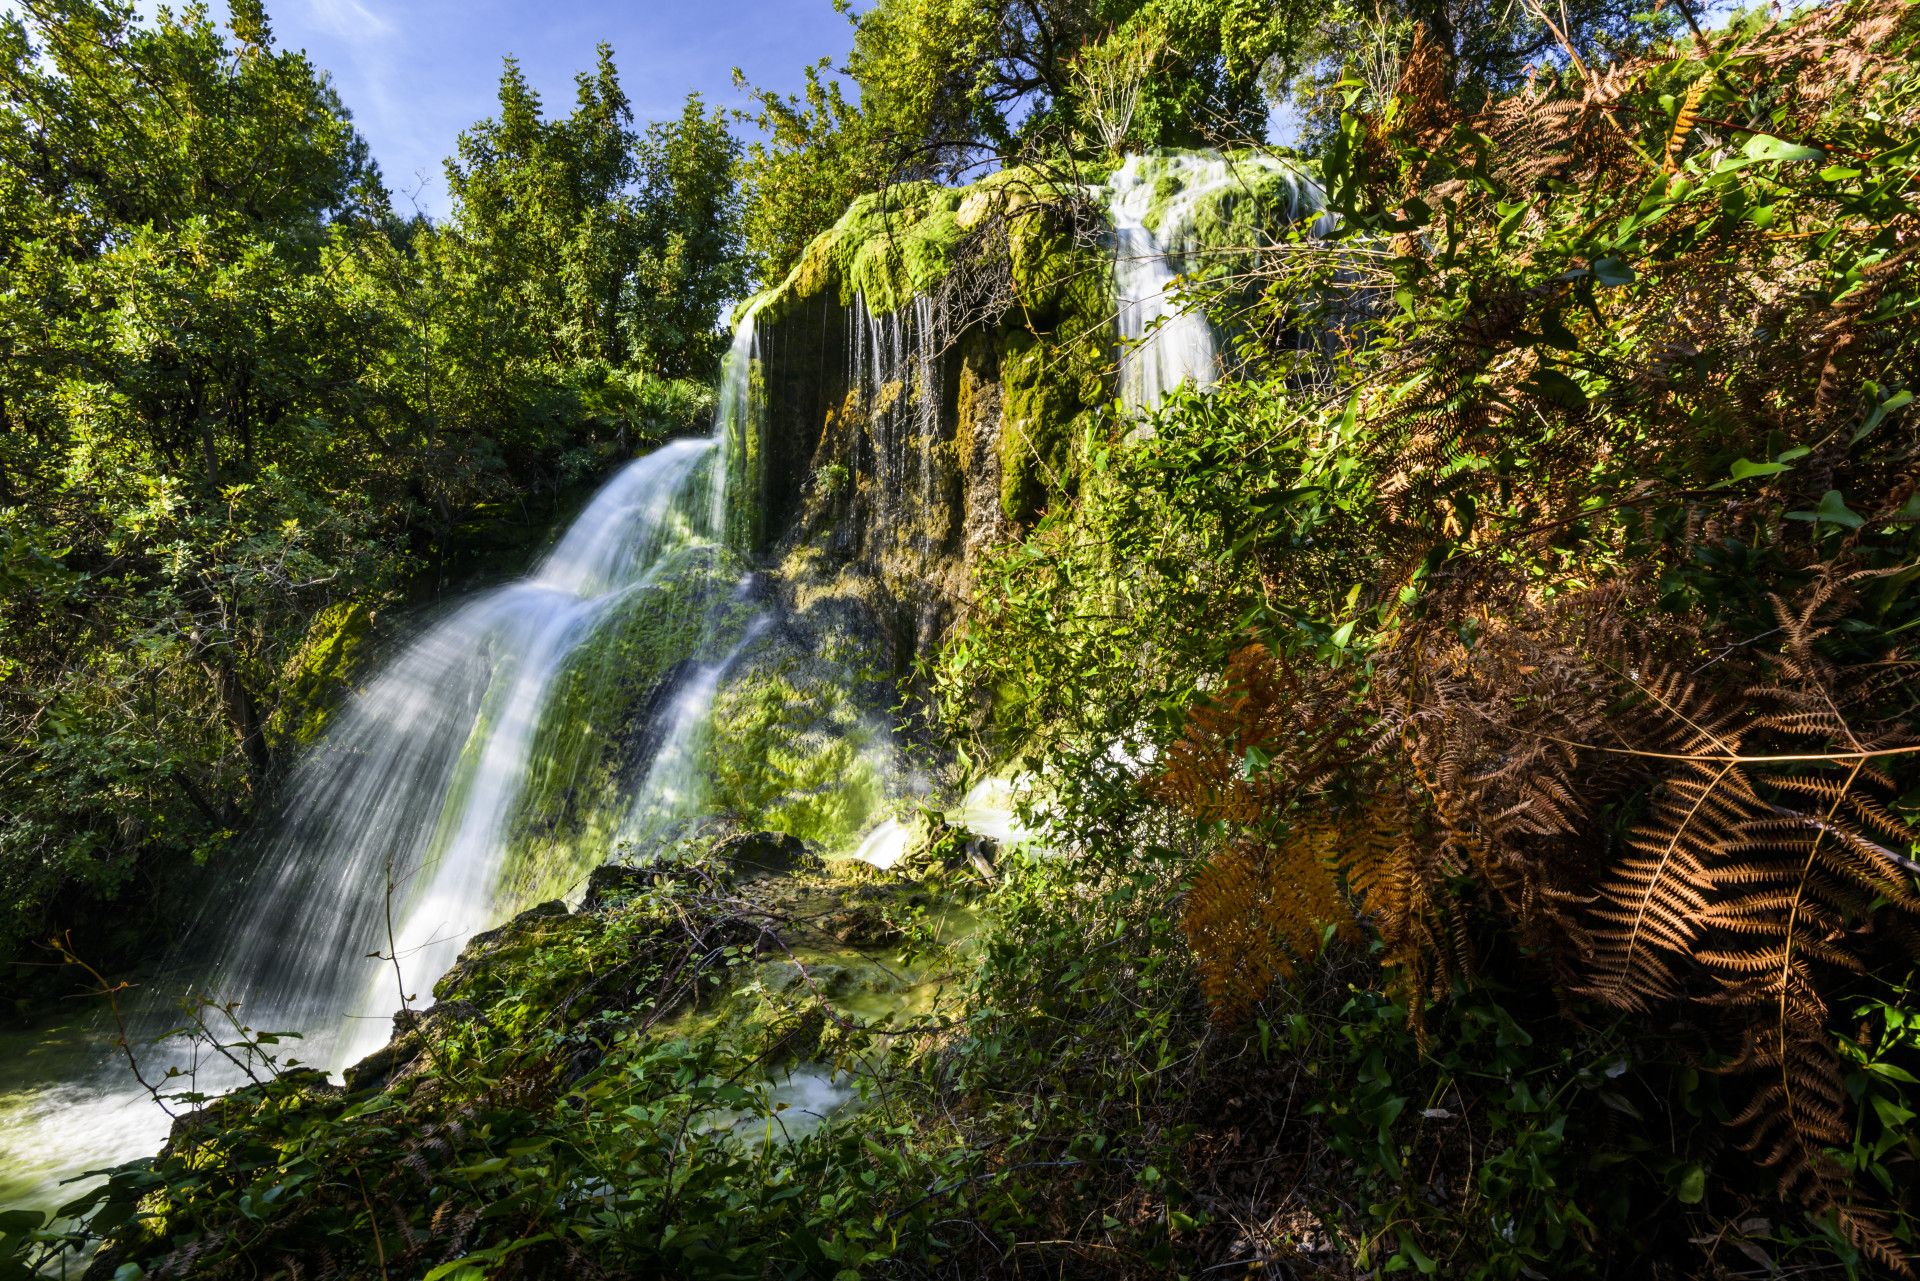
413,1032
862,925
823,979
377,1070
766,854
798,1038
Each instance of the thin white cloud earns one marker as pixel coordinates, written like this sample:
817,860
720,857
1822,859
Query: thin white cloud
349,19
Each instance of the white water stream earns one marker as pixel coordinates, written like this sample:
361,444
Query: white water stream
1155,203
393,835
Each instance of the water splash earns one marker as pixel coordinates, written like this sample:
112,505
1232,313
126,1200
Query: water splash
885,845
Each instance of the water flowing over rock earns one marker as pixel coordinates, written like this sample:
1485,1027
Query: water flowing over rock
728,626
1170,214
394,831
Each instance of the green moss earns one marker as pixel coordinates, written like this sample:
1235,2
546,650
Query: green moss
320,673
1056,369
1264,196
584,752
893,246
791,752
1036,430
888,248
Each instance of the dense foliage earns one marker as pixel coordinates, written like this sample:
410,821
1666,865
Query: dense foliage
1557,604
245,403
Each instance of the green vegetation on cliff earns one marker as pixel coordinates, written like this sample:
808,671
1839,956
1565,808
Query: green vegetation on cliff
1471,755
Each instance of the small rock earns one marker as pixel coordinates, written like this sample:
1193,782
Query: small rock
611,883
377,1070
824,978
766,854
862,926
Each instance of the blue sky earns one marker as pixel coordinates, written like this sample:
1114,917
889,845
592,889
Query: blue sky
416,72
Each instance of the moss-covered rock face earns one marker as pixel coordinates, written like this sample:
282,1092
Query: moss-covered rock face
888,248
600,724
1210,200
928,370
320,673
791,752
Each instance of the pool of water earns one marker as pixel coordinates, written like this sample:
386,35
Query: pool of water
67,1108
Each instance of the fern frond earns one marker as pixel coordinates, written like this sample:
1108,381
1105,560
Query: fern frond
1259,911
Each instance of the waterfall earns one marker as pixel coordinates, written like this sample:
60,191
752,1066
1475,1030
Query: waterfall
1156,204
671,792
393,833
894,359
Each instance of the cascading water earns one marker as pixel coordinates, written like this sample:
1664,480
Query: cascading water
408,799
670,792
394,835
1155,204
894,359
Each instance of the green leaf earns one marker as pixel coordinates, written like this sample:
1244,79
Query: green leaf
1891,404
1552,385
1833,509
1747,469
1764,146
1692,1188
1893,1073
1612,272
1767,146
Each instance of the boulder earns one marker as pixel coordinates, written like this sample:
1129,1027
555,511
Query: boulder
413,1031
613,882
752,854
861,925
309,1083
481,946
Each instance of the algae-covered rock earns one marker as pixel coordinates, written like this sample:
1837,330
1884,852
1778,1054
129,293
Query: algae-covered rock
320,673
862,925
403,1055
793,752
294,1088
766,854
483,948
607,714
